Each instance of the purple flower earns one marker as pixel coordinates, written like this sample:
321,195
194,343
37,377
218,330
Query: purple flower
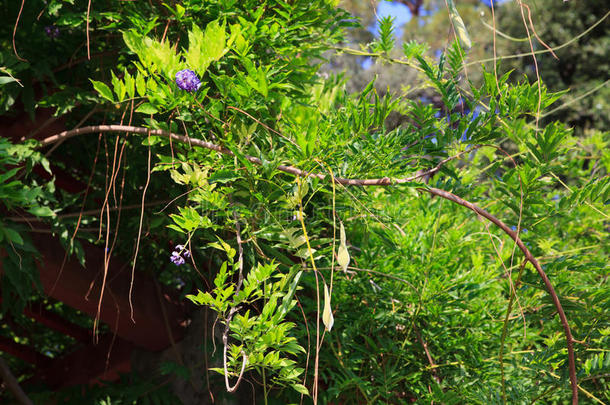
182,250
177,259
52,31
187,80
179,254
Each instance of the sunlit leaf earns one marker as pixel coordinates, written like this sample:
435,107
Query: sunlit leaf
103,90
301,389
147,108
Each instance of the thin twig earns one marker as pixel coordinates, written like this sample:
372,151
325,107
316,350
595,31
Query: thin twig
575,99
5,70
315,269
493,19
232,311
135,256
87,29
428,355
536,70
542,51
263,124
529,16
15,32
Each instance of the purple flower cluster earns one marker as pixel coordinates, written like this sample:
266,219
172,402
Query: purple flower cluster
187,80
179,254
52,31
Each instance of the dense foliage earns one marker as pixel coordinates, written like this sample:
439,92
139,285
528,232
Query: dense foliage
253,161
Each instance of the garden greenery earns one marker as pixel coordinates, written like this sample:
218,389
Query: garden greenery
352,261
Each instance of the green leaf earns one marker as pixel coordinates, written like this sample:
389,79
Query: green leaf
386,35
220,371
103,90
141,85
262,87
133,41
205,47
223,176
7,175
214,41
119,87
286,301
40,211
147,108
12,236
301,389
151,140
6,79
180,11
130,85
176,228
222,245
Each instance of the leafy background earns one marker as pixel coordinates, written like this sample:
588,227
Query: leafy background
420,311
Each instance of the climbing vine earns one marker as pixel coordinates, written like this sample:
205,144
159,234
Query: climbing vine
344,258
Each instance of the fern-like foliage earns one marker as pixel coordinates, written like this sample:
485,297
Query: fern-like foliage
385,42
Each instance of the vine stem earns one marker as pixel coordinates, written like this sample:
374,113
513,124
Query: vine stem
385,181
315,269
233,310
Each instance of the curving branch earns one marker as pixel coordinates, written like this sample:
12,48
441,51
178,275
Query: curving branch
530,258
385,181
